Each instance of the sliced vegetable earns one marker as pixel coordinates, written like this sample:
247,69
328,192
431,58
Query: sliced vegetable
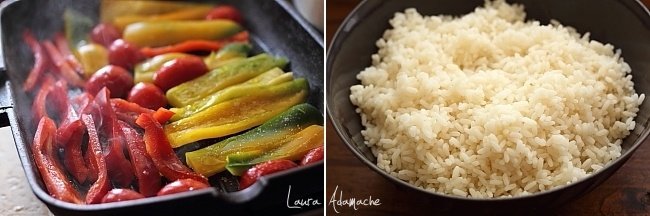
178,71
222,77
93,57
101,186
148,96
62,65
105,34
163,33
292,148
109,10
224,12
196,45
64,49
124,54
263,82
129,112
120,194
313,156
161,152
271,135
237,115
77,27
115,78
70,137
45,157
232,51
263,169
193,13
146,172
182,185
39,108
41,61
144,71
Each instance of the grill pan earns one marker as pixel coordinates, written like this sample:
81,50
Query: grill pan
275,28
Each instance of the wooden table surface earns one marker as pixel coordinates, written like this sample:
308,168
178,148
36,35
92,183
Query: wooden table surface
627,192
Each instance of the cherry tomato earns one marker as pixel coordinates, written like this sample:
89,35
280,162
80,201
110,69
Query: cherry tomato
178,71
115,78
105,34
263,169
224,12
313,156
147,95
124,54
117,195
182,185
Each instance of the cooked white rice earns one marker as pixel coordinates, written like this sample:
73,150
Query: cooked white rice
490,105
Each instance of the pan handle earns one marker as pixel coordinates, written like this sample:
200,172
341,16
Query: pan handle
6,103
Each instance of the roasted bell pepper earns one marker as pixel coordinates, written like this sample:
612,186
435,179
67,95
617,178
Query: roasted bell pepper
119,168
92,57
39,109
163,33
195,45
109,10
192,13
129,112
77,28
222,77
102,185
146,172
144,71
263,82
273,134
293,148
64,49
161,152
237,115
45,157
232,51
62,65
70,137
41,61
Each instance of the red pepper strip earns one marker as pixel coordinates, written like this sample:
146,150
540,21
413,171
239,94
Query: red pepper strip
58,97
161,151
41,61
70,137
195,45
119,168
163,115
64,49
39,110
102,185
145,170
129,112
81,101
64,68
53,176
93,170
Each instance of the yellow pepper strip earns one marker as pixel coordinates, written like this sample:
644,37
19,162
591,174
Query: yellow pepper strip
163,33
237,115
193,13
92,57
285,131
269,78
111,9
221,78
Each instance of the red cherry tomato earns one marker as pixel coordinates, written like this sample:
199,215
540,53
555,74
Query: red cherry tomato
178,71
105,34
313,156
147,95
182,185
224,12
117,195
115,78
124,54
263,169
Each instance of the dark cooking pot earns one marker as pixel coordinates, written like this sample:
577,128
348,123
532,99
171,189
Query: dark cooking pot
274,28
623,23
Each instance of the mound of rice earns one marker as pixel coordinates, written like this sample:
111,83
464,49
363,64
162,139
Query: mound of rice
490,105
